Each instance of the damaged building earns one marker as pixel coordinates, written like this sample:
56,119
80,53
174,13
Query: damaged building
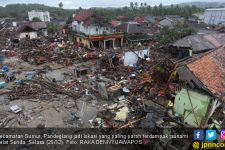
95,31
203,89
113,75
32,30
134,32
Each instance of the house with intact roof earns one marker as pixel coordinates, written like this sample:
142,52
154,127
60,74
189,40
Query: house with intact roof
170,21
196,44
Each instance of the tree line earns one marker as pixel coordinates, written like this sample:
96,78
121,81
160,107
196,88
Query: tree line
143,9
20,10
135,9
168,35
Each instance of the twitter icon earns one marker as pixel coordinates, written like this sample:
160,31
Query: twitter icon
210,135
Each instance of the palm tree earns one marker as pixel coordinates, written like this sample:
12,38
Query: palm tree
142,5
61,5
136,4
145,4
131,5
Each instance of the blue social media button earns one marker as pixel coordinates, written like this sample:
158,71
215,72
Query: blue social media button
199,135
210,135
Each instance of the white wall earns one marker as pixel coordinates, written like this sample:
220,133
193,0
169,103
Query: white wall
131,58
32,35
45,33
214,17
43,16
90,30
14,24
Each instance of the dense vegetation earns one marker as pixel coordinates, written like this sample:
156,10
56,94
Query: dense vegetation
51,28
168,35
135,9
20,10
143,9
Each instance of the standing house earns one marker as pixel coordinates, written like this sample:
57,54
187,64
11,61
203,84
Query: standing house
43,16
170,22
214,16
134,33
198,43
204,90
94,31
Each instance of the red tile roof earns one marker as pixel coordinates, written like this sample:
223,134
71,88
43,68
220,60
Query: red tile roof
115,23
83,15
210,70
139,20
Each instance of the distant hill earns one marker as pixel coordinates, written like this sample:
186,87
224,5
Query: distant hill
205,4
20,10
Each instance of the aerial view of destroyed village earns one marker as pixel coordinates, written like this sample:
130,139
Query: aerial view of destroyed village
153,67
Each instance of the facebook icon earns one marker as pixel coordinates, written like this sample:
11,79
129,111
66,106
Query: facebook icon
199,135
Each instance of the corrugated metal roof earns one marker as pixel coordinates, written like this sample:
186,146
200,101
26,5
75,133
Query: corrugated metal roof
38,25
215,9
201,42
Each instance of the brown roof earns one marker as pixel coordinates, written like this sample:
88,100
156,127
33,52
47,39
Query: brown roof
38,25
115,23
130,28
139,20
83,15
25,28
210,70
31,26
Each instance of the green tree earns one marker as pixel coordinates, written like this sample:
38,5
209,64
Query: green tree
36,19
136,4
51,28
145,4
155,11
61,5
168,35
132,5
160,9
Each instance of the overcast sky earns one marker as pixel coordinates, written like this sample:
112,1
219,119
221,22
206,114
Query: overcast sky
97,3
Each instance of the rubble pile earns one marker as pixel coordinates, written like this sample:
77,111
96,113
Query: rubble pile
131,88
25,90
38,87
123,91
36,56
31,51
113,78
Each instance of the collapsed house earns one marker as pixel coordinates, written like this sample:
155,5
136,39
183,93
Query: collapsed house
203,88
32,30
95,31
